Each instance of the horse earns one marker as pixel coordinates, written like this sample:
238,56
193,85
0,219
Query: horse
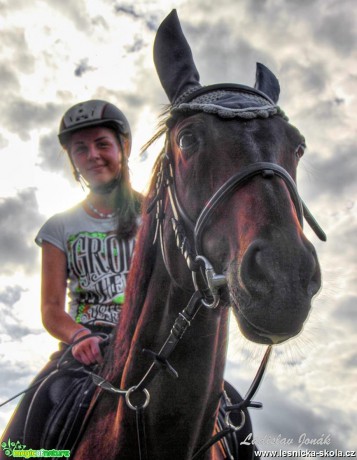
222,229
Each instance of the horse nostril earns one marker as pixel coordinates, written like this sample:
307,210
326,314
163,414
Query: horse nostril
270,265
256,268
314,283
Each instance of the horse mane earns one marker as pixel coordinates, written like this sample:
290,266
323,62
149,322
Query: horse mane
138,279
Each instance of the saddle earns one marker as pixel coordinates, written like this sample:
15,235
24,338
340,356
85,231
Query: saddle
58,409
60,402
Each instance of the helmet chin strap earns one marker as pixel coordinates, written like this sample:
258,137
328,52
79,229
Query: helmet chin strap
102,189
105,189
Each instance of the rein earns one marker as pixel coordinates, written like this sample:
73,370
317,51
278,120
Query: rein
62,364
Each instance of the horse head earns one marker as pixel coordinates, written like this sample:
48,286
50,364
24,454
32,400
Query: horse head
231,157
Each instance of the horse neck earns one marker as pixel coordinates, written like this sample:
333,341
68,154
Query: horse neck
153,301
204,341
192,399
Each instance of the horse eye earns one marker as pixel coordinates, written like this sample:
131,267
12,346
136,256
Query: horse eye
187,141
299,152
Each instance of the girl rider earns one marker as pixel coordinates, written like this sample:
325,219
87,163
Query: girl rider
87,249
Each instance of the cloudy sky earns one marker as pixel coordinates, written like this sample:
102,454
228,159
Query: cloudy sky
57,52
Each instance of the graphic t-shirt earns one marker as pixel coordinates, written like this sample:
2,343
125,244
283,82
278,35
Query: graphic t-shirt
97,264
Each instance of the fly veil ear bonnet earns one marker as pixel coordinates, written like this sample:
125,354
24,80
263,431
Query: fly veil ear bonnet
181,81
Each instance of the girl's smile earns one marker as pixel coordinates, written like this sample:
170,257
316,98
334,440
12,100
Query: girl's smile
96,154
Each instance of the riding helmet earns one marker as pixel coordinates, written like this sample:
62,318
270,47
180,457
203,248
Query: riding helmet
94,112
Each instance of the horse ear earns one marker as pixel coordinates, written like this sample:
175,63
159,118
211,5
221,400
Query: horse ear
173,58
267,83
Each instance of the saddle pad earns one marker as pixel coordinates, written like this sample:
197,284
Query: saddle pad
57,410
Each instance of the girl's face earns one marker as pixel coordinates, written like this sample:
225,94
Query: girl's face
96,154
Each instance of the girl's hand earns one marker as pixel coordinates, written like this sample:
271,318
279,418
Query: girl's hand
88,351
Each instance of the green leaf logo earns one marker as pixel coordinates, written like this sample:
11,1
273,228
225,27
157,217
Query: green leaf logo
10,446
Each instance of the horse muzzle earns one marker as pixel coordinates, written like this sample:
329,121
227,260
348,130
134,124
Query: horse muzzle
272,288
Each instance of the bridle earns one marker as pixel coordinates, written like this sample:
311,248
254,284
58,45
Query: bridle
193,253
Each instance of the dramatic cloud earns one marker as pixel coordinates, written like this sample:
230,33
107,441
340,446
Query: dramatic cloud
8,79
52,157
83,67
12,326
136,46
338,30
21,115
151,21
129,10
339,170
346,311
19,222
75,12
14,44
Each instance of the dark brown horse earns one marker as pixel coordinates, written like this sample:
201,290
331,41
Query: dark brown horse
223,229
